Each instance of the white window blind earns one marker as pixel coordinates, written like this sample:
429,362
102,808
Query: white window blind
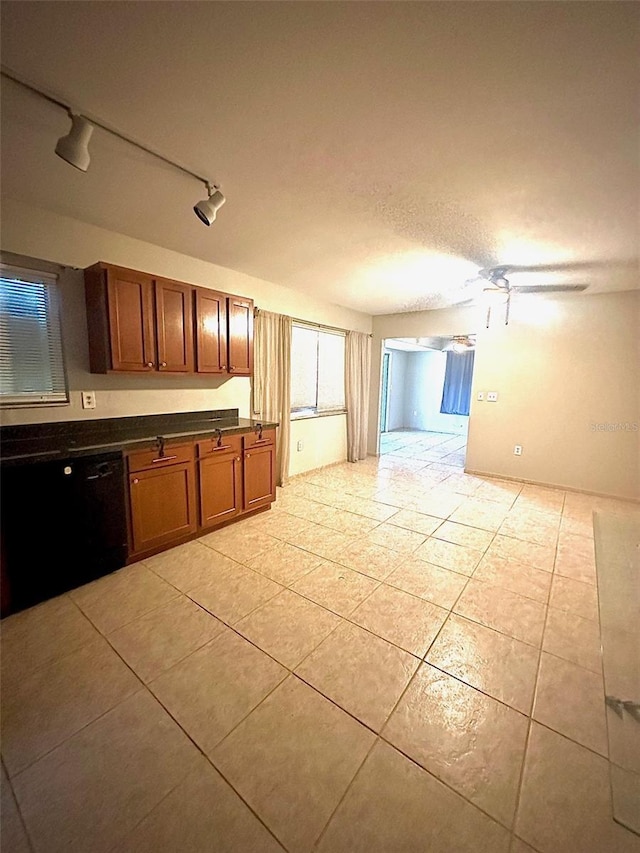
32,370
317,371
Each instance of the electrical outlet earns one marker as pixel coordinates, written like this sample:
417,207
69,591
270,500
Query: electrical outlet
300,445
88,399
517,450
480,396
492,396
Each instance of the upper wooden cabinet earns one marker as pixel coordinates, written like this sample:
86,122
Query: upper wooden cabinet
174,326
211,331
138,323
240,325
143,323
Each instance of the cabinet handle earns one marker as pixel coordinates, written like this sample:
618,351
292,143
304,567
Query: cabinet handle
232,368
164,364
220,447
149,364
164,458
237,458
247,455
136,480
224,367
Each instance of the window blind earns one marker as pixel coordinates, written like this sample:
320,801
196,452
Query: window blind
32,369
317,371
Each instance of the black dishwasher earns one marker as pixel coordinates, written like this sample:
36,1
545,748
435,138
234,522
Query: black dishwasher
63,524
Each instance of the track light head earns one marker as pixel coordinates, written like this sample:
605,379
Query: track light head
207,209
74,147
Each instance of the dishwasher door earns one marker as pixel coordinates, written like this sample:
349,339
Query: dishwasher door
63,524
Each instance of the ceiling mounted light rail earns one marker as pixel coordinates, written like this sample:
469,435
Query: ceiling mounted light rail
74,149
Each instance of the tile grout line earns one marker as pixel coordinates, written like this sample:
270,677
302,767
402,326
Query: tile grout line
533,705
12,794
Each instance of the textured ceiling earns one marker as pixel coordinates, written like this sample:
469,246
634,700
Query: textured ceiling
373,154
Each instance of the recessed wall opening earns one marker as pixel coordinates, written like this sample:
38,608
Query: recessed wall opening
425,397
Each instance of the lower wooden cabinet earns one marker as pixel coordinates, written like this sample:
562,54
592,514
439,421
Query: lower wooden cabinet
259,479
220,480
162,497
180,491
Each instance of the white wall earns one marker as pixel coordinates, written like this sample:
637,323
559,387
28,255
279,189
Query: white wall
396,389
424,382
40,234
317,453
567,374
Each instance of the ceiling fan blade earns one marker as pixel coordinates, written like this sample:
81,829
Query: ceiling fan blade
548,288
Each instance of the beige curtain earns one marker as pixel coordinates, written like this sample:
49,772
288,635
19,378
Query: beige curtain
272,380
357,378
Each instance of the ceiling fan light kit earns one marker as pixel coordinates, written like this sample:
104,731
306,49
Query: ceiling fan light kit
500,288
74,149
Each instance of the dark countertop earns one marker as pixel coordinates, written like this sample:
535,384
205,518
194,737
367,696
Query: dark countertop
72,439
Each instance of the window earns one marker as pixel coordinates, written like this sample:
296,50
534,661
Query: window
317,371
31,361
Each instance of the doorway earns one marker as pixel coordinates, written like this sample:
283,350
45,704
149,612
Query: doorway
425,398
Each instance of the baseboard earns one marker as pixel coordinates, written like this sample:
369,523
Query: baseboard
550,485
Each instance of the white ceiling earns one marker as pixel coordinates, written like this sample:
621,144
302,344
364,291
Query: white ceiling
375,154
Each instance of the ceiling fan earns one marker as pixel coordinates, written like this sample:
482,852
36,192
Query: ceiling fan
498,286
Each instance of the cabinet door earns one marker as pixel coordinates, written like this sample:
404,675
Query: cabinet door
131,320
174,324
220,488
259,476
162,505
240,323
211,332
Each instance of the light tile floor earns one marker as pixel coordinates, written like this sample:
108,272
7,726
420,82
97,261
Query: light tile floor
396,657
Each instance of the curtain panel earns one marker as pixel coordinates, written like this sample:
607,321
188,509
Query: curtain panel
357,379
272,380
456,394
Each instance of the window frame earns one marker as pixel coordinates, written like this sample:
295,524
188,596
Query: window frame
53,314
306,412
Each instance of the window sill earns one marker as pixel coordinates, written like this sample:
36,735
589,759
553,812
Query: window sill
307,415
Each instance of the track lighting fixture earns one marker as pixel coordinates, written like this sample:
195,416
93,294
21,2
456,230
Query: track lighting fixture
74,149
207,209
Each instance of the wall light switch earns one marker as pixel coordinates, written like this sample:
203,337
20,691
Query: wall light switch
517,450
480,396
492,396
88,399
300,445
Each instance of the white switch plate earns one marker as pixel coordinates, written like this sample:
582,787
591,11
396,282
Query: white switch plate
480,396
517,450
88,399
492,396
300,445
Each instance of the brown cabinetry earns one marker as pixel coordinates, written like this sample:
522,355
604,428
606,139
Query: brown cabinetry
211,331
220,479
138,323
240,326
259,469
161,496
179,491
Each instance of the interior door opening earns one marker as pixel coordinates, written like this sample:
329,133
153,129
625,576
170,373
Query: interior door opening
425,398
